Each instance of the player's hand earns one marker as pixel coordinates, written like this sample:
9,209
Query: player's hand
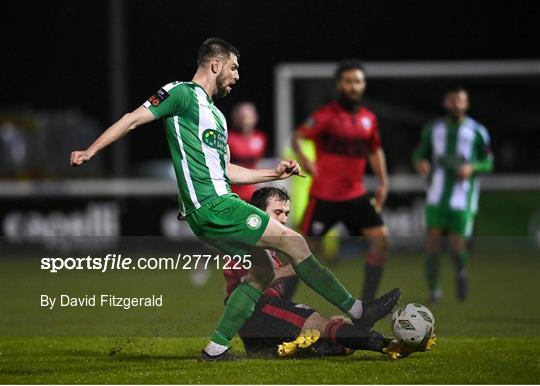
380,197
79,157
287,168
423,167
465,171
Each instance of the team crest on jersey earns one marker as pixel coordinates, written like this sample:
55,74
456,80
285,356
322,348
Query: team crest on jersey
366,122
253,221
215,140
158,97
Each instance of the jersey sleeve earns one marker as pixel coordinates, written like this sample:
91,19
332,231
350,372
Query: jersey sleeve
312,127
484,156
172,99
423,150
374,140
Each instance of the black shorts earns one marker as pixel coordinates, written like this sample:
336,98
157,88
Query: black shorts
356,214
273,322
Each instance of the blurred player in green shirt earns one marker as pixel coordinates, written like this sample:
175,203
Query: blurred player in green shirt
453,150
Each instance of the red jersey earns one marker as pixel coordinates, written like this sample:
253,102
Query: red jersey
234,277
343,140
246,151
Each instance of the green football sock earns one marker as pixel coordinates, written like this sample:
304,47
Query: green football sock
238,309
461,260
432,271
322,281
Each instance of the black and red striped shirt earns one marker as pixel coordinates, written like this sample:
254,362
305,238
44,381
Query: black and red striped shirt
343,140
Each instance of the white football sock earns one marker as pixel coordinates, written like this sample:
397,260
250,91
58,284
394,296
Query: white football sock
215,349
356,310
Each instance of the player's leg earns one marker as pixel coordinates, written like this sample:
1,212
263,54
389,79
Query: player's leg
321,280
362,218
433,251
436,222
375,260
460,259
461,228
341,332
232,226
241,304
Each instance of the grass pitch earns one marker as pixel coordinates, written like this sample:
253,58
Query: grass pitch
492,338
455,360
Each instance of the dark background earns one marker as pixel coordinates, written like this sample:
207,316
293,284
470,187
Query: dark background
55,54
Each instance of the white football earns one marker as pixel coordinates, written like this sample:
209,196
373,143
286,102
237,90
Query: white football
413,324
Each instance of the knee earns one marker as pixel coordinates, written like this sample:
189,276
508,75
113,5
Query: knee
433,245
376,259
292,241
456,250
380,245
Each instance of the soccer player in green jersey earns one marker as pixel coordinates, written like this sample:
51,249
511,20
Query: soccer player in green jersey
452,152
196,133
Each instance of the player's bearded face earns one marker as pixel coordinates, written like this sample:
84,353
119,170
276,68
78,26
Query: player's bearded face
227,77
351,85
457,104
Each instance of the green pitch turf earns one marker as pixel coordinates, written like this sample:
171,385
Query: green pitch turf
171,360
492,338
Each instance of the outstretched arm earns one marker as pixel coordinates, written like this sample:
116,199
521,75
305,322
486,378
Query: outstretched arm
128,122
242,176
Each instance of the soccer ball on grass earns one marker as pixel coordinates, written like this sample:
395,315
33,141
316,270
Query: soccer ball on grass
413,325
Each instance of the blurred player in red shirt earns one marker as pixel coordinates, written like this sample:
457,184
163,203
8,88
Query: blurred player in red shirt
247,144
346,138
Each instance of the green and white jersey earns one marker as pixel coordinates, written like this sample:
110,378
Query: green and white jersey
197,137
449,145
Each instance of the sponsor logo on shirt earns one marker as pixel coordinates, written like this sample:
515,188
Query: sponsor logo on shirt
215,140
366,122
159,96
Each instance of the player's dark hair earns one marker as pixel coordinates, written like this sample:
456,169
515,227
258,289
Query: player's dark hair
455,89
215,47
346,65
261,196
